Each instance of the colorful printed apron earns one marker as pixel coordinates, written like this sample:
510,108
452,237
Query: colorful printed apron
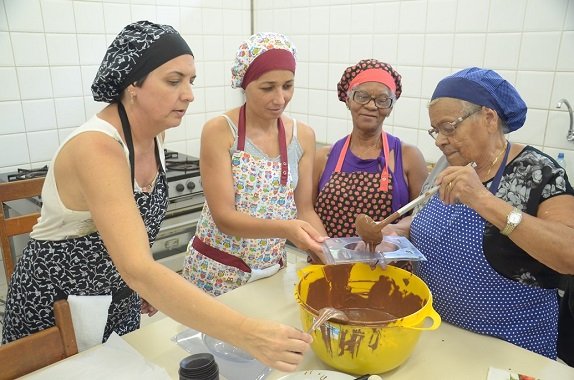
218,263
345,195
467,291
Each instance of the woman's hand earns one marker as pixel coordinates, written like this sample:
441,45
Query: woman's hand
461,184
306,238
274,344
148,309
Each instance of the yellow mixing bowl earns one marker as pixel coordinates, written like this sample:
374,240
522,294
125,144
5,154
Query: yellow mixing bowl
387,309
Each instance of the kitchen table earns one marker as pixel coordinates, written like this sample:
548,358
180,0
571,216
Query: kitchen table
446,353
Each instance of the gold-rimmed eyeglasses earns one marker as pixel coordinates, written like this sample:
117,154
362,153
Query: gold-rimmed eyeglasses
363,98
448,128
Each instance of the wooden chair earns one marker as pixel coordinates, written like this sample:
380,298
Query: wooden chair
18,225
40,349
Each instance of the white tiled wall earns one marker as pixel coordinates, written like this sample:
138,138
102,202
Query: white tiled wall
529,42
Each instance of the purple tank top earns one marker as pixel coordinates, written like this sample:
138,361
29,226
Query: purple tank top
353,163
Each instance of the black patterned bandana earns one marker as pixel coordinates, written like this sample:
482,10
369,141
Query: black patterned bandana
137,50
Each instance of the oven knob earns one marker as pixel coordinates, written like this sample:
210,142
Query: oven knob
190,185
179,187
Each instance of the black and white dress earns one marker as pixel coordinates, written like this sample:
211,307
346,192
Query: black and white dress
77,263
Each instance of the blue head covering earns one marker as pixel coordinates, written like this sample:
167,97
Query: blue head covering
485,88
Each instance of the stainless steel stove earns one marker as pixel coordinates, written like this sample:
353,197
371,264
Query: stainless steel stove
185,204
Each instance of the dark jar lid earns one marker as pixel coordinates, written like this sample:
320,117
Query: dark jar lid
200,366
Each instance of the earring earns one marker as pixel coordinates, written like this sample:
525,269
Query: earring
132,97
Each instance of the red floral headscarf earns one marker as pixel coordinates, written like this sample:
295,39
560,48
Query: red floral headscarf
364,65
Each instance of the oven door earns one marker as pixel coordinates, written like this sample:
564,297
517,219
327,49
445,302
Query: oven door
176,231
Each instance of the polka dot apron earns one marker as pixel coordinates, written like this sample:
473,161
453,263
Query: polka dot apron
345,195
467,291
218,263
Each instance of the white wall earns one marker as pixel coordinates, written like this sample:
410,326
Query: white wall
529,42
51,49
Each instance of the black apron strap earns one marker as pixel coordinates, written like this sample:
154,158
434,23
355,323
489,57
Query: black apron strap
128,136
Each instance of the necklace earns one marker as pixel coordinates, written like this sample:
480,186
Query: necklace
496,159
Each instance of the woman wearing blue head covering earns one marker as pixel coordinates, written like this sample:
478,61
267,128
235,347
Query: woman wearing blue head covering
498,237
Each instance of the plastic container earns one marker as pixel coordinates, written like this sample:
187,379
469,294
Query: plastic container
561,160
200,366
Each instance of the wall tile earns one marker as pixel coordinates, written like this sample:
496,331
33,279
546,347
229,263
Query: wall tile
340,52
143,12
320,17
14,150
11,117
24,15
92,107
35,82
385,48
319,125
544,15
468,50
9,80
335,72
411,49
408,135
66,81
413,16
64,133
213,97
539,51
441,16
336,129
535,88
88,75
58,16
317,102
362,18
175,134
29,49
89,17
403,115
569,19
212,21
3,21
387,17
39,115
340,19
301,43
472,16
300,101
92,48
502,50
232,22
62,49
7,57
281,20
335,107
566,54
169,16
426,144
70,112
411,80
264,20
213,48
214,74
42,145
563,88
116,16
438,50
300,23
191,21
318,48
533,129
194,126
506,16
318,76
361,47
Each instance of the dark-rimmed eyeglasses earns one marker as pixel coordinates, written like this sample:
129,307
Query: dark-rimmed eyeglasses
448,128
364,98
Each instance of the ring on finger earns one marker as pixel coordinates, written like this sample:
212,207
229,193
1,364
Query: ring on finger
450,185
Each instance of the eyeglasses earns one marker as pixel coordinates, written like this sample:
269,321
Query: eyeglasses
363,98
448,128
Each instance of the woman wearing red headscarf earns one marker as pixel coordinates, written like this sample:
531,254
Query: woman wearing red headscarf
256,170
369,171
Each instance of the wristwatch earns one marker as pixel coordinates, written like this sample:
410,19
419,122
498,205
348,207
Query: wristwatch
513,219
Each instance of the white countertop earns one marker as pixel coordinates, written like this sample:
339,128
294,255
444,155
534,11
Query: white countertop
446,353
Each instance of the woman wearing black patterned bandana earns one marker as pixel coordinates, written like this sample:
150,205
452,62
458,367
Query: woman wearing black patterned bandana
105,196
499,236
